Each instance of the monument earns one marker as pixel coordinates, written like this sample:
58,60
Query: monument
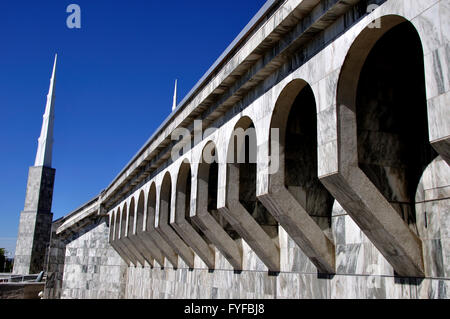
36,218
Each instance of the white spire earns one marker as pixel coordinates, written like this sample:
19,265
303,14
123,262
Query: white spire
174,105
45,141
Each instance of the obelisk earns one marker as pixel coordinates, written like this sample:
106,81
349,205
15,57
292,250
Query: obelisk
36,218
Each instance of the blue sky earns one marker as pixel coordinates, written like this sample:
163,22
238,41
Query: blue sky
114,85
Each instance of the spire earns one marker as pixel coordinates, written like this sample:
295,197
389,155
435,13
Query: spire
174,105
45,141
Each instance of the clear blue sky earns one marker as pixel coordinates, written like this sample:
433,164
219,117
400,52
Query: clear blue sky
114,85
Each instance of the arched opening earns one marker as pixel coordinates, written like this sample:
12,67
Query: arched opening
140,213
242,152
184,186
391,116
243,209
296,196
298,132
112,227
123,222
164,225
165,200
151,206
131,214
117,225
208,172
191,232
150,232
383,145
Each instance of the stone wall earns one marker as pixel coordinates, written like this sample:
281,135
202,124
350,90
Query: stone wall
361,270
56,254
35,222
92,269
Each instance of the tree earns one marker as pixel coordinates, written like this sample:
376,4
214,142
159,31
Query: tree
2,259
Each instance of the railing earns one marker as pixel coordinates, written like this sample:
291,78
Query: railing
6,278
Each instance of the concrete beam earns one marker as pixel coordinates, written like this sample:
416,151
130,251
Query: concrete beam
301,227
151,234
122,254
138,243
128,246
163,227
182,225
370,210
245,225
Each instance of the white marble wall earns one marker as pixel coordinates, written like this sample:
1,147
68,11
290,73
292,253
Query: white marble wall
93,269
361,270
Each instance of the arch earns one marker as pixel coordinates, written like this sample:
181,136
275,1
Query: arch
124,222
141,242
117,226
131,218
151,207
126,231
140,213
163,224
242,208
183,224
392,135
295,115
208,174
388,102
215,227
150,231
296,197
183,190
242,153
112,238
165,199
118,240
379,167
112,226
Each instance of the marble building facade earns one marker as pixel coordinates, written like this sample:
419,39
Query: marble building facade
359,206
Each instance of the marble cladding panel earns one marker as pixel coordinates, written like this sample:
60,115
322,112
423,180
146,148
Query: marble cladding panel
92,268
428,22
438,114
361,270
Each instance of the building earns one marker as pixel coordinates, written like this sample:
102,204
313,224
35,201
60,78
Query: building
318,168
